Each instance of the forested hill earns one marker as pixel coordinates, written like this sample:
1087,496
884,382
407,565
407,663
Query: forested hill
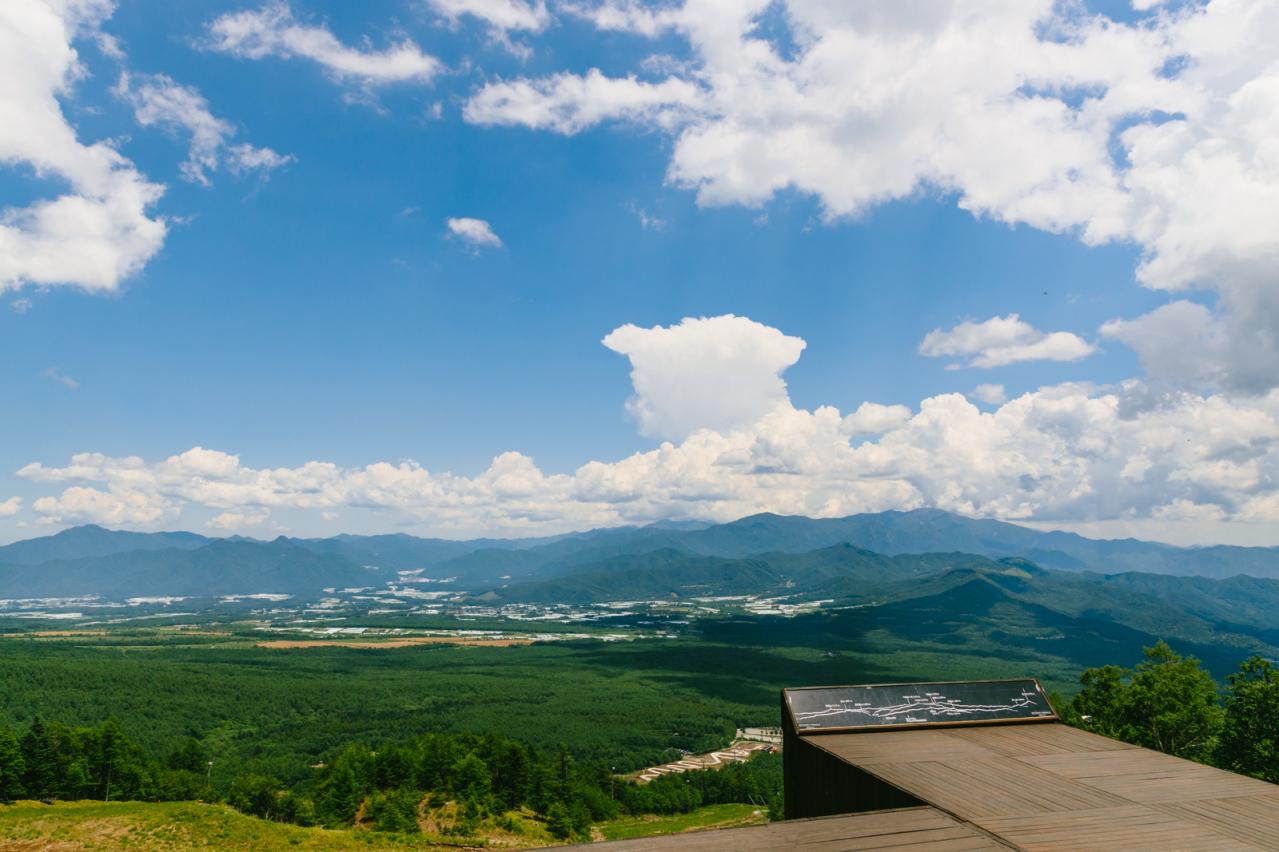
839,572
953,592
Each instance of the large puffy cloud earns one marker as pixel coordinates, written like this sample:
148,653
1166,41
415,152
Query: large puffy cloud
716,373
159,100
1000,341
99,231
1159,132
273,31
123,507
1062,455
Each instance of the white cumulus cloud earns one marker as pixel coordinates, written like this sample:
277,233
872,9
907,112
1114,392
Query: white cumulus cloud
502,15
475,232
99,231
1185,343
568,103
121,507
274,31
714,373
234,521
1000,341
10,507
991,394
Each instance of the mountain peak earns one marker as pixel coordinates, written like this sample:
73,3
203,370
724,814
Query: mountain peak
83,529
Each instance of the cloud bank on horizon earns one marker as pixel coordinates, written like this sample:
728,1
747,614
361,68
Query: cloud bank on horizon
1066,453
1159,133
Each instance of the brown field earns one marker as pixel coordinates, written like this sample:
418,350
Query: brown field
61,634
404,642
183,631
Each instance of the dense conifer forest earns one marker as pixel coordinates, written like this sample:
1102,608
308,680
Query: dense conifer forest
385,787
462,782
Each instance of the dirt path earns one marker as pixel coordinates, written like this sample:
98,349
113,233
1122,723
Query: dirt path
738,752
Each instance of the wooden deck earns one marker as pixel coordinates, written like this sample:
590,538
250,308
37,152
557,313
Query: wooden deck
1052,787
913,829
1043,787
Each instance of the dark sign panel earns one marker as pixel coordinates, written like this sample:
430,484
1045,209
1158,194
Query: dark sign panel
911,704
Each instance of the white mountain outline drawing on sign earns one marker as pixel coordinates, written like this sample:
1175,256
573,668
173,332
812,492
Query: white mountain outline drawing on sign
935,704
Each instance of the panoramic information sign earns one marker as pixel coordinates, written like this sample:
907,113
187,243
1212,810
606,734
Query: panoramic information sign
910,704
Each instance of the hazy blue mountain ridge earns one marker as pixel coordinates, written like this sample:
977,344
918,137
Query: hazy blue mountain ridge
839,556
93,540
889,533
217,568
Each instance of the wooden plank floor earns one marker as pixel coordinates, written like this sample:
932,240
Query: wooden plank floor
1043,787
1128,827
1048,786
905,829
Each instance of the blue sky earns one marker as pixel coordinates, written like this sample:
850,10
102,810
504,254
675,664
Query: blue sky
321,309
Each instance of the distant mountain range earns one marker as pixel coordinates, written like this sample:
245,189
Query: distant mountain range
761,553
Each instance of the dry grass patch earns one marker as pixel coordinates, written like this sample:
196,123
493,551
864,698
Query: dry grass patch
404,642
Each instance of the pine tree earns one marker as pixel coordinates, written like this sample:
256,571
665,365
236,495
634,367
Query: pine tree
39,777
339,795
110,759
558,822
12,766
471,780
189,756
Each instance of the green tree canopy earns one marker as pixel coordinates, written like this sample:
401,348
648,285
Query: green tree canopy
1167,703
12,766
1250,732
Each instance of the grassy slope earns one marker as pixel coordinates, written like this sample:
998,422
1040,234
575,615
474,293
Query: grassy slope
711,816
192,825
171,825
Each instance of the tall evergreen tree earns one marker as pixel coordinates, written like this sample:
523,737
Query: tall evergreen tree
339,794
39,778
559,822
12,766
471,780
